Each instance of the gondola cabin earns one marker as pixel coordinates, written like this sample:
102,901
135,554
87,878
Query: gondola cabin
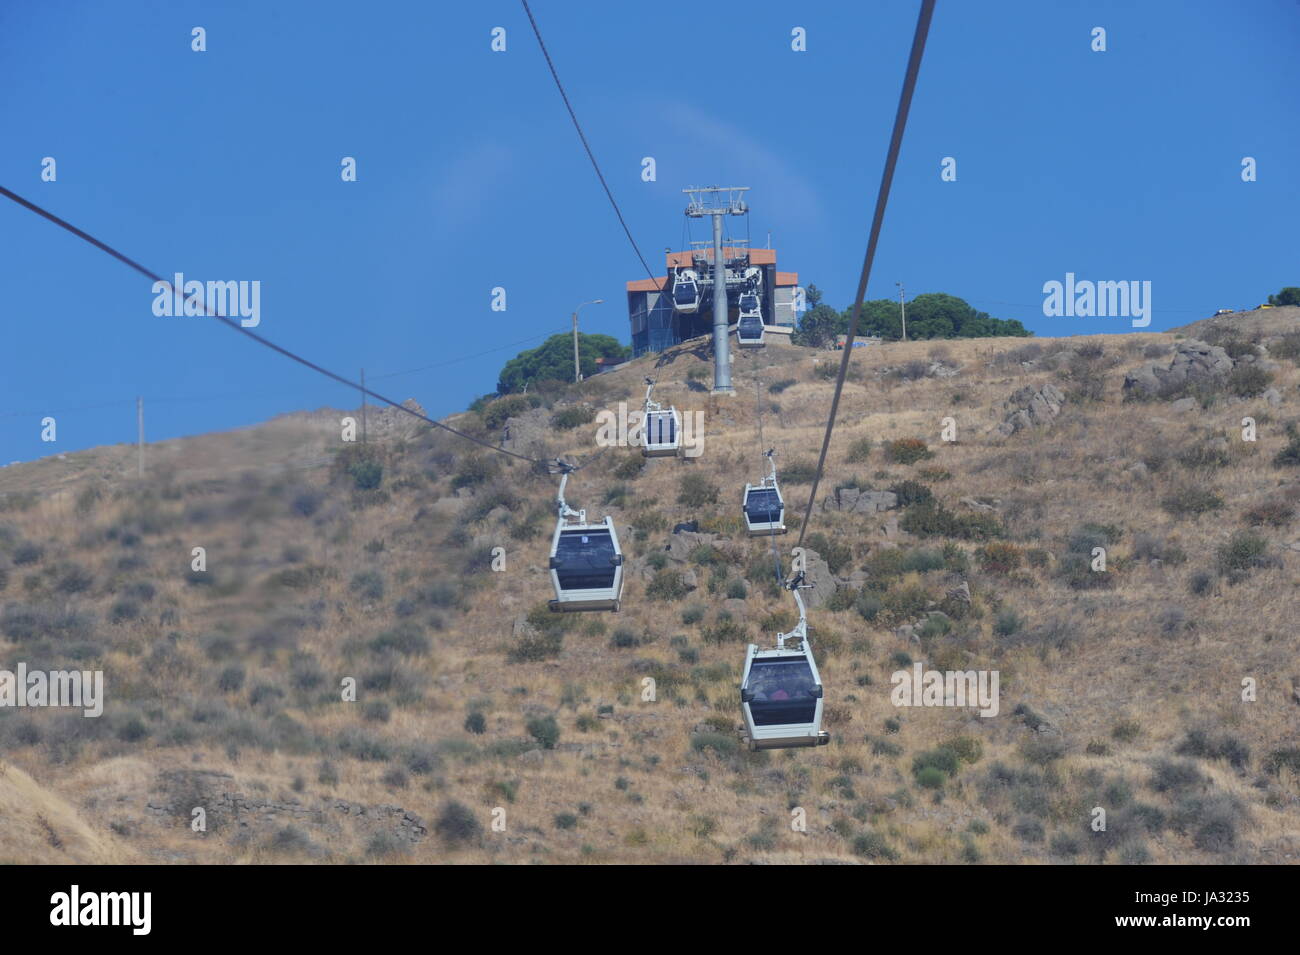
686,291
763,510
662,433
749,332
781,698
586,567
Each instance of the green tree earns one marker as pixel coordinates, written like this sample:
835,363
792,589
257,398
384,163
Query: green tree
553,360
818,327
1288,296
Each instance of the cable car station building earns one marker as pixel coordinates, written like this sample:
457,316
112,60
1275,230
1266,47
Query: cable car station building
657,323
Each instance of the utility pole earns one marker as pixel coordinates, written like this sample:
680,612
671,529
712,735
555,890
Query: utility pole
710,202
902,309
577,373
139,423
363,406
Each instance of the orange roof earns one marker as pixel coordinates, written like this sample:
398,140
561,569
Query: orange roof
787,278
756,256
648,285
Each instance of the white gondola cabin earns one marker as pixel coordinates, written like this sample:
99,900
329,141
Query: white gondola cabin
661,428
686,291
749,332
781,691
586,563
762,507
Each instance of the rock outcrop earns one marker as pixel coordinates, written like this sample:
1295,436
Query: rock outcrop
1030,408
1193,361
857,501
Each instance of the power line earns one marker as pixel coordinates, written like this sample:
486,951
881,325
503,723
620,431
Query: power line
882,200
590,155
236,326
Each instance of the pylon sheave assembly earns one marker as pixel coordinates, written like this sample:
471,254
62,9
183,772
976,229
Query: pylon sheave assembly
781,692
586,561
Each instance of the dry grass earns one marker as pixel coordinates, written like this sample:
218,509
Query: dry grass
283,601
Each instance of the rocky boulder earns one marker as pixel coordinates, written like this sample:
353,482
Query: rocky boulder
681,544
817,573
389,422
526,433
858,501
1031,408
1193,361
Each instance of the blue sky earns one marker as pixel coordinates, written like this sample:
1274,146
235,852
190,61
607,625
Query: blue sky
225,165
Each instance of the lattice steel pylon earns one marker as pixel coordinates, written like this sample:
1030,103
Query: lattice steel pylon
718,201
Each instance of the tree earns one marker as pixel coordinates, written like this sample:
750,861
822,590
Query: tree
818,327
1288,296
553,360
932,315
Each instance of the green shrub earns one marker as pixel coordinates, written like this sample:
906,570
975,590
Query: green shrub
720,743
406,638
930,777
624,639
868,605
544,730
667,585
630,468
907,450
932,767
834,551
1008,622
231,679
498,412
1242,552
368,585
457,824
1205,745
911,492
932,519
859,451
475,470
573,417
798,472
1275,512
724,630
1189,500
999,558
1288,346
872,845
1288,457
696,490
1280,759
1248,380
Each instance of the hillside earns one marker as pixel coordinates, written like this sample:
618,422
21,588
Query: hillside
1120,689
